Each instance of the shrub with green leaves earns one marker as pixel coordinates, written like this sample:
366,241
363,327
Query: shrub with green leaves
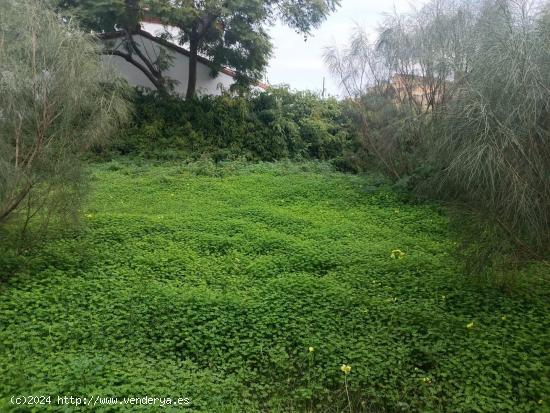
492,144
467,85
56,100
268,126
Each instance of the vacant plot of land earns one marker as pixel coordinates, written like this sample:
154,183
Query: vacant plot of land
246,288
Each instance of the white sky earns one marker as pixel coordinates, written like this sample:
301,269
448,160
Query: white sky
300,64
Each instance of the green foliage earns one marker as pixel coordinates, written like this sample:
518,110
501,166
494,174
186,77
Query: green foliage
272,125
232,33
492,144
212,282
453,102
229,34
125,16
101,15
56,100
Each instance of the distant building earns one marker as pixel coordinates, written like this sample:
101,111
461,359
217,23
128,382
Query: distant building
422,91
178,71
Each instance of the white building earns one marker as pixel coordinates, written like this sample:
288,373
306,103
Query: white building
178,71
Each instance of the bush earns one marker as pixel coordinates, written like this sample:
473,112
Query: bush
56,101
268,126
492,143
453,102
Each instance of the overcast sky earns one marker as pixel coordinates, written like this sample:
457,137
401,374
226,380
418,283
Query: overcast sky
300,64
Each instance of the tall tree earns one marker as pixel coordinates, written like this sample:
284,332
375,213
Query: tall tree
232,32
57,99
229,32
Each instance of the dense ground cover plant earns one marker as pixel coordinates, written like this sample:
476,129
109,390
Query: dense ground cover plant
265,287
272,125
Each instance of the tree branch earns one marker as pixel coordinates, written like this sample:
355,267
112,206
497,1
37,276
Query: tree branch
128,57
140,54
15,202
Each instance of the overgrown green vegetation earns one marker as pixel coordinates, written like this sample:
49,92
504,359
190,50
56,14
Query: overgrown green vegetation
213,282
56,100
284,286
268,126
466,86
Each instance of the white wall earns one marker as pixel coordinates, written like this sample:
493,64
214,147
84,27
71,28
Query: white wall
178,71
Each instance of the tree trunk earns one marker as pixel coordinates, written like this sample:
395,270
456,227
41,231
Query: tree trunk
14,203
192,80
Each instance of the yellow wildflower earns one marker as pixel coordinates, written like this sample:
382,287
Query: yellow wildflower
503,317
470,325
345,368
88,215
311,349
397,254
